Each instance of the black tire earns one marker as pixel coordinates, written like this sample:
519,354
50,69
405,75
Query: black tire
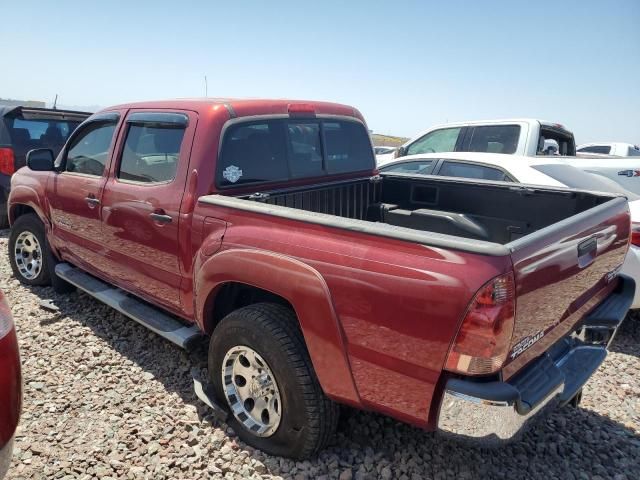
30,223
308,417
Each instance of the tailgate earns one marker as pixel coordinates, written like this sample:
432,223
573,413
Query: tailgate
562,272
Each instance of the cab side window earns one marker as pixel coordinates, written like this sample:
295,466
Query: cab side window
152,148
443,140
88,152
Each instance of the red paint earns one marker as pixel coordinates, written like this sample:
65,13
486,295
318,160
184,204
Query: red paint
10,380
378,315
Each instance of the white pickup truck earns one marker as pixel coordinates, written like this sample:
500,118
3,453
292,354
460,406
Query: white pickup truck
521,136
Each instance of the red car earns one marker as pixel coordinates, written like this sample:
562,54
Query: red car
10,385
463,306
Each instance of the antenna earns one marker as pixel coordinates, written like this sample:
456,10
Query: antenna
55,102
206,88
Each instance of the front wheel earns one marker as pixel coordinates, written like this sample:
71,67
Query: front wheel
27,251
261,370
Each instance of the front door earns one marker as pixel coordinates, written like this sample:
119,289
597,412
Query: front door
141,204
75,192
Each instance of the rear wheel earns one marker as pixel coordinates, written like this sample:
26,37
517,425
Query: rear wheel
261,370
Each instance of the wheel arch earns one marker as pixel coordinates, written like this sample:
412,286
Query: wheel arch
22,201
235,278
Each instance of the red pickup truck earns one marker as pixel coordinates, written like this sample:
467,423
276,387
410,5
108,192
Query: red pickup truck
454,305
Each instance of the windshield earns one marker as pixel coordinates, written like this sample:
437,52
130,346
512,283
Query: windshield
573,177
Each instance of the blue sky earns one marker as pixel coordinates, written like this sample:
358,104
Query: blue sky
406,65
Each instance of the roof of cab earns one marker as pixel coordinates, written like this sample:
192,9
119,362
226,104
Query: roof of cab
237,107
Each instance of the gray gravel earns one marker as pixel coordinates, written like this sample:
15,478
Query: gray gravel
105,398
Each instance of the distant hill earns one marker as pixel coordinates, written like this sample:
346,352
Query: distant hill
387,140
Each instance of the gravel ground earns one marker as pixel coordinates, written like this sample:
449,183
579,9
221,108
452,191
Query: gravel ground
105,398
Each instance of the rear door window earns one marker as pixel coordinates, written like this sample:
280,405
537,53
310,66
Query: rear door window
634,152
442,140
152,147
470,170
418,167
273,150
493,139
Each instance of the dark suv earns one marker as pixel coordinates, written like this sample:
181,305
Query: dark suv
23,129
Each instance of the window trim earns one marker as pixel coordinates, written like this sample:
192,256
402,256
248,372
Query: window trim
477,164
301,118
104,118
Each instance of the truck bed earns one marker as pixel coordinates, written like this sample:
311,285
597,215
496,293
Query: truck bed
565,246
496,213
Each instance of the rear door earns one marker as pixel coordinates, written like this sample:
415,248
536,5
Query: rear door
141,203
75,192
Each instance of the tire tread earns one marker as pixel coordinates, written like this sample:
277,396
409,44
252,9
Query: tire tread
282,325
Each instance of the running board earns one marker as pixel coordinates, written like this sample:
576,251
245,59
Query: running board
153,318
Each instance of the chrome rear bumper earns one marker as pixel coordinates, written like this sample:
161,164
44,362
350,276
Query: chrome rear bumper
495,411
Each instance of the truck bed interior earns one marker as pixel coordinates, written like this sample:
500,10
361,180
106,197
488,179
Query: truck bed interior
494,213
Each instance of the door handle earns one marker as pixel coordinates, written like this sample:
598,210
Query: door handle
92,201
161,218
587,251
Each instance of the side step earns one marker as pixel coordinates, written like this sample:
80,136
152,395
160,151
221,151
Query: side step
154,319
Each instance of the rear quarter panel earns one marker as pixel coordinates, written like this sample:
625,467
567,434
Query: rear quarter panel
398,304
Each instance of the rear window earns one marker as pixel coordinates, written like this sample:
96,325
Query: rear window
281,149
493,139
26,134
603,149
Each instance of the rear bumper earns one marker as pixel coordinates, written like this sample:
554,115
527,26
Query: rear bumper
494,412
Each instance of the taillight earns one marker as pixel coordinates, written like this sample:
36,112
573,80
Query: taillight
301,108
482,343
7,161
635,234
6,321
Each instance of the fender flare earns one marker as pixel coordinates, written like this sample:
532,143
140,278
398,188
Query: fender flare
305,289
24,195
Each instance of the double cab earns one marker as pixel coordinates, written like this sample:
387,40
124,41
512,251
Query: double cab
457,305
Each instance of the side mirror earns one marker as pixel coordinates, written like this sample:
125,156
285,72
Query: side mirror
400,152
40,159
